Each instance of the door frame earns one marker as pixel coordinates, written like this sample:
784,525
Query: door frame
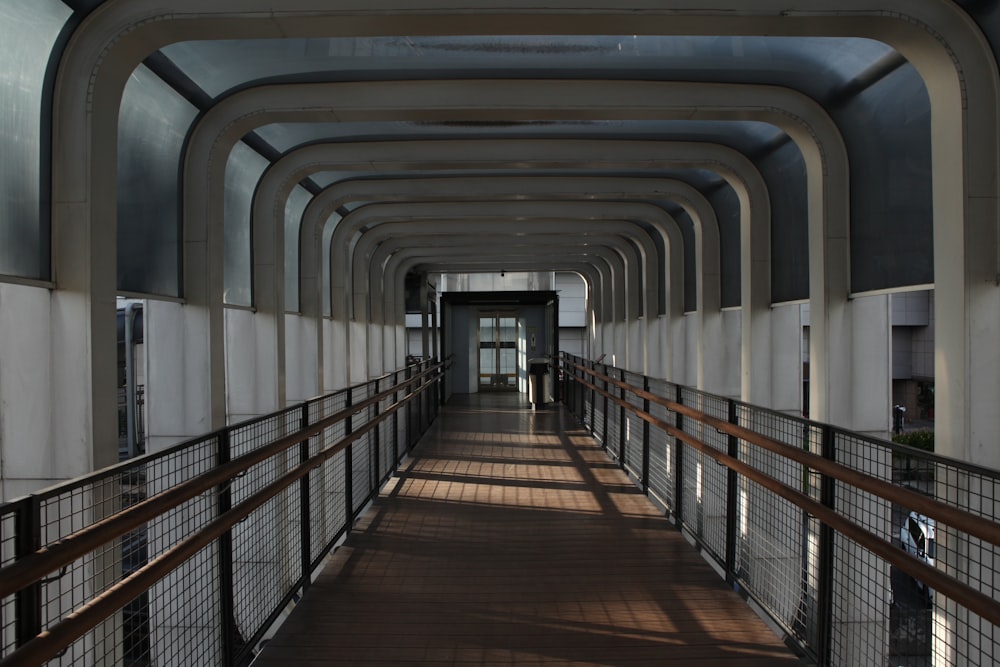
496,314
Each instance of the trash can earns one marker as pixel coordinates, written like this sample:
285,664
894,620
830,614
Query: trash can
538,380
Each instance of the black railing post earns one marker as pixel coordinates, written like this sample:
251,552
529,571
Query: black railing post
826,544
421,400
407,414
572,385
395,424
604,413
28,600
560,371
349,467
305,513
232,644
645,438
376,475
581,404
438,389
575,388
593,398
679,459
732,489
622,417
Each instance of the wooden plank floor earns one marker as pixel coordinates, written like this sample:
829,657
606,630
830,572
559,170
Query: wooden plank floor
510,541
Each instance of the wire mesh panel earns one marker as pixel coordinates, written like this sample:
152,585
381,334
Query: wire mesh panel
8,552
777,558
613,418
402,427
266,558
142,629
924,625
661,446
328,486
705,481
361,456
267,561
633,426
599,416
328,506
964,556
862,584
185,605
386,461
588,404
576,391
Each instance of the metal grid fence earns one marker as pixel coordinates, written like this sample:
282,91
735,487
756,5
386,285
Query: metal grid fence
841,587
214,602
661,452
633,426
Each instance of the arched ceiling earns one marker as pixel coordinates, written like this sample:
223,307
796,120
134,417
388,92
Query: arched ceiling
874,97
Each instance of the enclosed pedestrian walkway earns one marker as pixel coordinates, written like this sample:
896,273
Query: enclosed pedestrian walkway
249,249
512,538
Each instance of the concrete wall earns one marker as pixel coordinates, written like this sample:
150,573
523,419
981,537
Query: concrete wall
251,382
573,341
30,458
572,300
301,359
462,332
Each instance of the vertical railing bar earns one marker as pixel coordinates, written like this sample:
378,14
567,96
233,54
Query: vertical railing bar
604,411
576,388
679,459
349,467
438,390
376,474
395,425
409,412
28,601
623,395
645,438
732,481
227,586
305,512
826,556
421,397
593,398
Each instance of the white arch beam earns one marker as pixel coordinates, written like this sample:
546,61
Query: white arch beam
376,222
935,35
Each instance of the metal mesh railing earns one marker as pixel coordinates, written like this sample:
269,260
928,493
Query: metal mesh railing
633,426
661,452
864,551
188,556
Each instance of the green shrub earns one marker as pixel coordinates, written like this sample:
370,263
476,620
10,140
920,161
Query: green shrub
919,439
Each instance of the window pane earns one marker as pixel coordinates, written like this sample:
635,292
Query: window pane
152,125
243,171
324,251
294,209
28,31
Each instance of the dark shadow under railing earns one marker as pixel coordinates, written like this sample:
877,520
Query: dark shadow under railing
119,565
